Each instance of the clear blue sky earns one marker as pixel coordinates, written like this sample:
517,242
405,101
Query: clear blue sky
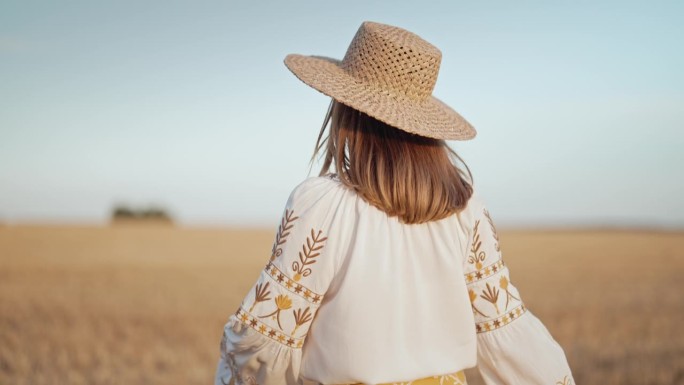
579,106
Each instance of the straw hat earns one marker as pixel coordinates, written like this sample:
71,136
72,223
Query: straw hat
388,73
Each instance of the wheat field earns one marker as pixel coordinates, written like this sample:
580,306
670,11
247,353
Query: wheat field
145,304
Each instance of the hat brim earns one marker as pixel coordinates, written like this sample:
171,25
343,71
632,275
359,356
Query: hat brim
430,117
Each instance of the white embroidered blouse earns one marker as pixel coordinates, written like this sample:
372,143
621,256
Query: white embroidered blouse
351,295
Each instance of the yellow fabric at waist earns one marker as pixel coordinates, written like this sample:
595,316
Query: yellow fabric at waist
457,378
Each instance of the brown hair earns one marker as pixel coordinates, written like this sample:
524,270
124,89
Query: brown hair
406,175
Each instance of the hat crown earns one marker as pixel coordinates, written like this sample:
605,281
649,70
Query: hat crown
396,61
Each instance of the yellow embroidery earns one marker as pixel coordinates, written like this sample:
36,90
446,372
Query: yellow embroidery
286,294
307,255
283,232
477,256
274,334
490,283
566,381
501,321
488,271
301,317
273,319
261,294
503,283
473,297
283,302
491,294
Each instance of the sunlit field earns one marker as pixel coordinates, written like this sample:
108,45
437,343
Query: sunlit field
145,304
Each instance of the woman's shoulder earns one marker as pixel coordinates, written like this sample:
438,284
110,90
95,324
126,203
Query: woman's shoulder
320,191
317,184
473,207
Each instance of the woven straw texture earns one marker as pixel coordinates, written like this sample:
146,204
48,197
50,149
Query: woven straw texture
388,73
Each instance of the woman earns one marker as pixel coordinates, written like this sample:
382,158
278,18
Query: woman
388,270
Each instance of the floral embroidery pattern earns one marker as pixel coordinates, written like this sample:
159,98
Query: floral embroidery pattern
495,302
566,381
283,232
261,294
503,283
301,317
491,295
283,302
278,306
477,256
473,297
307,255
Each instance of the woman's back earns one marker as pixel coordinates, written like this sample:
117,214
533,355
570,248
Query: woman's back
397,292
352,295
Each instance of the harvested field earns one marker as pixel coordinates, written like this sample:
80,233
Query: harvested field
131,304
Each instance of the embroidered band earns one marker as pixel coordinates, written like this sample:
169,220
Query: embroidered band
486,272
254,323
291,285
503,320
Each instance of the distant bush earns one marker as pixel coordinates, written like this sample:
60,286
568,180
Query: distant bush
126,213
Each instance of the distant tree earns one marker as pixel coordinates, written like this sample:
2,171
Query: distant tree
122,212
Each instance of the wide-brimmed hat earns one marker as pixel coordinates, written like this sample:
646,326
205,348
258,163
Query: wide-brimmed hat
387,73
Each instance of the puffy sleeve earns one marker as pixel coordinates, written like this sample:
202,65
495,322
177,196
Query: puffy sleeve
262,341
514,347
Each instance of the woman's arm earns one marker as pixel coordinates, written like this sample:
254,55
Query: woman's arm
514,347
262,341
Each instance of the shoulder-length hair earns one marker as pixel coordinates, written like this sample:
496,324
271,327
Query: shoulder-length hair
413,177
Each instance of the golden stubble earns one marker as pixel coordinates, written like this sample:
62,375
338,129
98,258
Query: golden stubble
147,304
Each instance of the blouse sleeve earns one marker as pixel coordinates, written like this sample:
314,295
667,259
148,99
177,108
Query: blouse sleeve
262,340
514,347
